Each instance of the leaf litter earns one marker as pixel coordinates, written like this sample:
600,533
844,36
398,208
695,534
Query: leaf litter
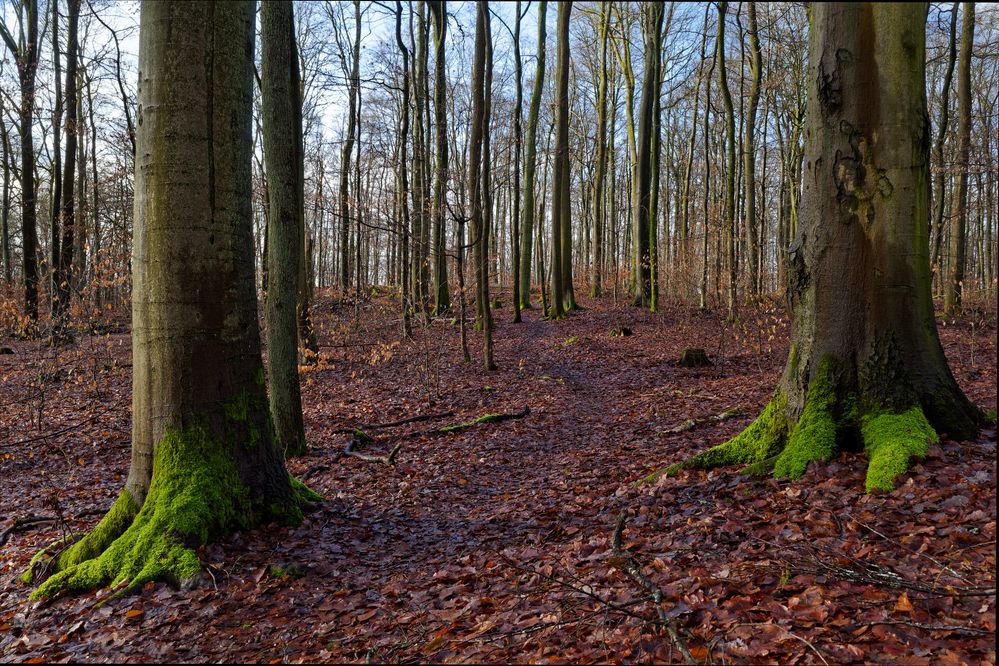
495,543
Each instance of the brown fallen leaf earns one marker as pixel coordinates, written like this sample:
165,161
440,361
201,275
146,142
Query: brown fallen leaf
903,605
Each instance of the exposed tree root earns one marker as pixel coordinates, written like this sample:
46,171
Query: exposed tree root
776,443
196,495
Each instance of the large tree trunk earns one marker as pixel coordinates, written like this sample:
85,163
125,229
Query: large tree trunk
865,358
531,163
204,461
281,116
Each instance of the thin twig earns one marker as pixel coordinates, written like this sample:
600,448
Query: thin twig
627,565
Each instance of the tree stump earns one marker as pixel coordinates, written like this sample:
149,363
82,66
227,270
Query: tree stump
694,358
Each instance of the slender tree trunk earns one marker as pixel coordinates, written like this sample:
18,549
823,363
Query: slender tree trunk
63,268
281,116
348,149
57,182
599,175
518,140
954,285
749,166
5,203
403,196
730,162
530,161
476,165
442,297
940,182
688,169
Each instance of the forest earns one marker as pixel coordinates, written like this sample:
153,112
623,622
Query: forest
491,332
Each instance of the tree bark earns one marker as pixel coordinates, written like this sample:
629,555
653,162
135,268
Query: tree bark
954,285
531,162
749,165
561,209
280,112
865,360
729,163
442,297
63,268
25,51
203,459
348,148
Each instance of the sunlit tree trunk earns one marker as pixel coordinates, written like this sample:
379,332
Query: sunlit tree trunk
204,462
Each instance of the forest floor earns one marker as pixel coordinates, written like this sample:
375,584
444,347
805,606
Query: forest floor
495,543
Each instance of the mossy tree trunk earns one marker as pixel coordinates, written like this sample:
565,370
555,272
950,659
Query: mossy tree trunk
866,366
281,116
204,460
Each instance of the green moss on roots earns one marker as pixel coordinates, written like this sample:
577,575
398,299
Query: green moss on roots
814,436
892,440
195,496
758,443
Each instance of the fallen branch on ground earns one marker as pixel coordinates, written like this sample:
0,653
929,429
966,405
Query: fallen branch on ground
627,565
349,450
353,430
485,418
20,524
690,424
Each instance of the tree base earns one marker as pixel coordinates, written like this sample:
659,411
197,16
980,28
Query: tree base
775,443
196,495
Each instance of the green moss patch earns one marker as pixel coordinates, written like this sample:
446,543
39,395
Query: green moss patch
892,440
814,436
759,442
195,495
